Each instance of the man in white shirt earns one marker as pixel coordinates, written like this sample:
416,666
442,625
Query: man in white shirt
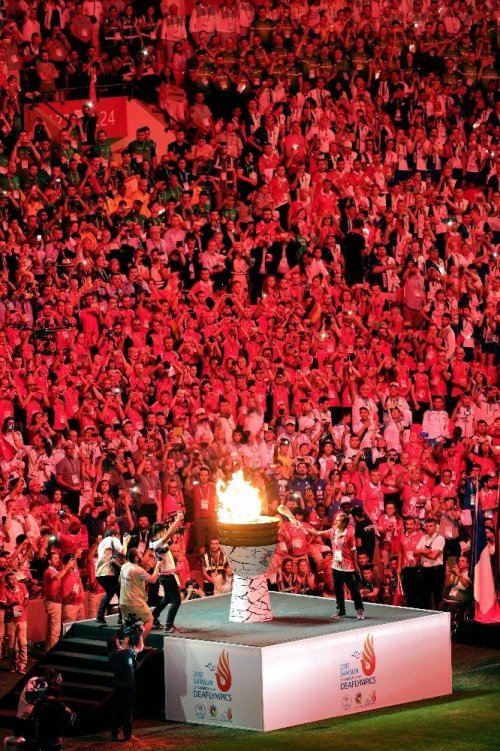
435,423
363,399
448,336
429,552
227,22
202,19
393,400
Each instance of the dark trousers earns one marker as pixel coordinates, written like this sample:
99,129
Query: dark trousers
27,729
171,600
432,586
111,587
346,577
410,576
123,707
452,547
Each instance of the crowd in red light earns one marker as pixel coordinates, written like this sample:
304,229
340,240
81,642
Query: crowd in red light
302,281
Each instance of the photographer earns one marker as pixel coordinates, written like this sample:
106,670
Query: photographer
124,648
107,570
34,689
133,598
171,599
192,591
51,717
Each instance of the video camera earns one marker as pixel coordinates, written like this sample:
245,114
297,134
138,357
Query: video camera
132,627
37,686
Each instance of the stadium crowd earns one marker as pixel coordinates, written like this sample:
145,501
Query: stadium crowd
303,282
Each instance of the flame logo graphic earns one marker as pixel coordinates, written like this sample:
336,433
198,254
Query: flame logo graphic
368,660
223,672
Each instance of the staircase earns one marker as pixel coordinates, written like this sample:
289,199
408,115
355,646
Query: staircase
81,656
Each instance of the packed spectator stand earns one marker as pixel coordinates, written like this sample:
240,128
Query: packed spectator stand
303,281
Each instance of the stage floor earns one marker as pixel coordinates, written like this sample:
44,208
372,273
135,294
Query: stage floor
296,617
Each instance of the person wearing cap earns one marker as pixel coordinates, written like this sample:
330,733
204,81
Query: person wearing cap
284,454
277,484
394,399
269,443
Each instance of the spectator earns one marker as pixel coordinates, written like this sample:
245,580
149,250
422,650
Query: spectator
323,213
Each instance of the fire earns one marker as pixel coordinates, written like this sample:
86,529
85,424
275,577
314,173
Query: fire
239,501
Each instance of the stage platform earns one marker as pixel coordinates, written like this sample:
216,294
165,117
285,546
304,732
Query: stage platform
302,666
296,617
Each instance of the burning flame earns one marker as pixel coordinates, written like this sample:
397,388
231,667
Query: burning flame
368,660
238,500
223,672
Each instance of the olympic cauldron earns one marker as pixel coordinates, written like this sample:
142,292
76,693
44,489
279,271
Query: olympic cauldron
248,540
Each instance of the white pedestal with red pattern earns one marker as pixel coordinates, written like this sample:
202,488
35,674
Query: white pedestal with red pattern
356,667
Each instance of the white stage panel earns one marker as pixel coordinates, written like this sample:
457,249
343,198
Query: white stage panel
356,671
212,683
285,684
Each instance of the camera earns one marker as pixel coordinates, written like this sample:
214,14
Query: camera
38,688
132,627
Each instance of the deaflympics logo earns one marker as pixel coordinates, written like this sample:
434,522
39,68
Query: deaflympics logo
223,675
368,659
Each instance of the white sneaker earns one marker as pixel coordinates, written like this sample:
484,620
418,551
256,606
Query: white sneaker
361,615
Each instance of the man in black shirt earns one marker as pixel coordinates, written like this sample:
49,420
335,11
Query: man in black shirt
51,717
364,532
123,659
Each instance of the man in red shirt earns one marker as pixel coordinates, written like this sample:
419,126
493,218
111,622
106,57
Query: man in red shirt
409,562
52,598
205,515
72,592
15,599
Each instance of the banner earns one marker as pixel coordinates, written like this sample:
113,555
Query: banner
356,671
111,115
213,683
307,680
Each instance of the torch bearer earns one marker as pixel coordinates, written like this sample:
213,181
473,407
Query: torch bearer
248,540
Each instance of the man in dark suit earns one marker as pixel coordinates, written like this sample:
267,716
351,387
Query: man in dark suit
353,249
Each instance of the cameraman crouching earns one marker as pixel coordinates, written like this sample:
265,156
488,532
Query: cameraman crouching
124,648
133,598
51,717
